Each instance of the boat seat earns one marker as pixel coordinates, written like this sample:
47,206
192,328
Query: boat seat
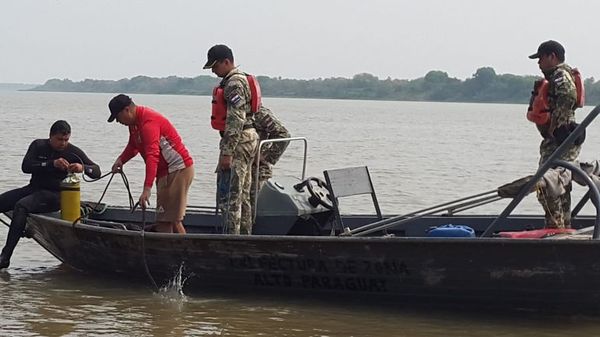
348,182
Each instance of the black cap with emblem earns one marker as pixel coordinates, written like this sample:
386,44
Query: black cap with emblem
549,47
218,53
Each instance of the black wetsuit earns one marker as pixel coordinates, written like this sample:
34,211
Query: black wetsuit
43,192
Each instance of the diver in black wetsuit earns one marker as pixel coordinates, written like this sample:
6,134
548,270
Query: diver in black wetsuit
48,161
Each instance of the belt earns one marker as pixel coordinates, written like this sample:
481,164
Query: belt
246,127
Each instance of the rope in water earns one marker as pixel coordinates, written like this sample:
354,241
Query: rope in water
146,268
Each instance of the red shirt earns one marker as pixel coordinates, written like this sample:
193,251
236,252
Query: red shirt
155,138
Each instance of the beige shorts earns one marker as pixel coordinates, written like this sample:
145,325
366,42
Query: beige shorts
171,195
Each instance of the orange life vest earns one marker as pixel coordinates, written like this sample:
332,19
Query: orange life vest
579,86
538,111
219,103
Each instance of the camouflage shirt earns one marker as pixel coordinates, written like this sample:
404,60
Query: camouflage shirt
562,94
237,94
269,127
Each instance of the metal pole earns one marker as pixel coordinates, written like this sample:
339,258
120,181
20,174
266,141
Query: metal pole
580,204
457,210
408,218
435,209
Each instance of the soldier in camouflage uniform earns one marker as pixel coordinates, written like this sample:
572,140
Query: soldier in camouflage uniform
268,127
238,143
562,97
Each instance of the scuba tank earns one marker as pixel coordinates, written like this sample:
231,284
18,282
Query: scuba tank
70,198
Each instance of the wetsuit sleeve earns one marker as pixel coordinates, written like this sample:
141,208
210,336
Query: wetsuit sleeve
271,128
130,150
237,101
151,137
562,90
90,168
31,163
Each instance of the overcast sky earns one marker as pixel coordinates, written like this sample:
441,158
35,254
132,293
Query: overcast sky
114,39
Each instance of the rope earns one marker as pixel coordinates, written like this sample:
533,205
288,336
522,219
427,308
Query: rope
112,174
146,268
132,207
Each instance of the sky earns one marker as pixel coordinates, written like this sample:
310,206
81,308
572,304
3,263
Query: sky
303,39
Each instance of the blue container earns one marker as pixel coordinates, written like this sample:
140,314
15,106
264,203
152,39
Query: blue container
451,231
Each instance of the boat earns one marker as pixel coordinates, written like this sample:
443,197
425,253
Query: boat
302,244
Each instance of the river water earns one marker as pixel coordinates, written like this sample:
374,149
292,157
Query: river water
419,154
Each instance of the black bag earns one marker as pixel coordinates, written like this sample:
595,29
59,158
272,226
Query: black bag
561,133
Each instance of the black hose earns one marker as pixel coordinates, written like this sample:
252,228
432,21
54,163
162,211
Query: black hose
123,176
146,268
132,207
125,182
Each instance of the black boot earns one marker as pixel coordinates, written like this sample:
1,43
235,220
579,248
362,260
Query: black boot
17,226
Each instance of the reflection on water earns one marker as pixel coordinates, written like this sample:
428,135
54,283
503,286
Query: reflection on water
56,301
418,153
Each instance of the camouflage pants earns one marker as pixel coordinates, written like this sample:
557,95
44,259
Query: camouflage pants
557,209
233,186
264,173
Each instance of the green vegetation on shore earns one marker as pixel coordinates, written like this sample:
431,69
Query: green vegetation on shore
436,86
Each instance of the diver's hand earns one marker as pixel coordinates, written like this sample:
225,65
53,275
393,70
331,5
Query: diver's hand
61,164
75,168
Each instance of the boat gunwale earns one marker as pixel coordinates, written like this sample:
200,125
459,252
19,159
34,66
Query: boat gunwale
309,238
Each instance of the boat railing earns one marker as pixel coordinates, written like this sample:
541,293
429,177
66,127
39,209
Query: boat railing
580,204
491,196
554,160
257,161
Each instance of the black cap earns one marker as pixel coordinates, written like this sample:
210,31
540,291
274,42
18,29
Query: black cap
117,104
217,53
549,47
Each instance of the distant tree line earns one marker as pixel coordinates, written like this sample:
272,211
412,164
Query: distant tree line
436,86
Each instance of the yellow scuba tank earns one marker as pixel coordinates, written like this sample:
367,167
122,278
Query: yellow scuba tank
70,198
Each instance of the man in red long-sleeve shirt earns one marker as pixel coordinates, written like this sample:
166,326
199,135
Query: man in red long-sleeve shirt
167,160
